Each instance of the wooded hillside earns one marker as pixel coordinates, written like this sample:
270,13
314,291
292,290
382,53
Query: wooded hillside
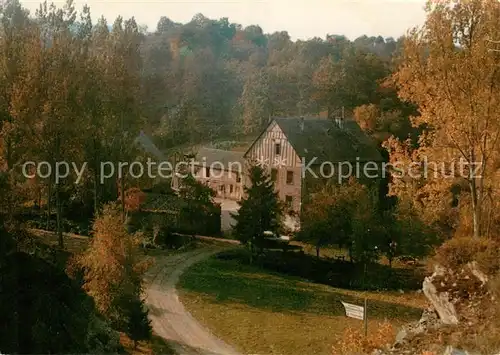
211,78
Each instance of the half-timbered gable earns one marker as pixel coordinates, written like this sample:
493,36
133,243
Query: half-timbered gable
273,150
274,146
289,145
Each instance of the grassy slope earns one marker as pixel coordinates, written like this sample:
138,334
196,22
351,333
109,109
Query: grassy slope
266,313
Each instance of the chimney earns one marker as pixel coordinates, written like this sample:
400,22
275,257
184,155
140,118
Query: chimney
302,123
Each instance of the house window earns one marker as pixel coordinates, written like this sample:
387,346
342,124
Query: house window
274,174
221,188
207,172
289,202
238,177
277,148
230,189
289,177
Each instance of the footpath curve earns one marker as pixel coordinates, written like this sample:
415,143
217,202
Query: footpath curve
169,319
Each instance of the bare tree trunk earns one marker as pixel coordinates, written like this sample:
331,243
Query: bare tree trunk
58,195
95,167
9,154
122,196
475,196
96,195
251,252
476,217
490,215
122,175
58,213
476,209
49,203
365,269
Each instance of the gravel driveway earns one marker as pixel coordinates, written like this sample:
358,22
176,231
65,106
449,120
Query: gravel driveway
170,320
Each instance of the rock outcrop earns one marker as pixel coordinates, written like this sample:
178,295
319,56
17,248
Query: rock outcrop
429,320
440,300
460,300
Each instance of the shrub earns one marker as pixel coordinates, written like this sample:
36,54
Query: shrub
488,259
459,251
332,272
101,338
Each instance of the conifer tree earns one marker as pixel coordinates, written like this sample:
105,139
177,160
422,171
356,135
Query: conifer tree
259,211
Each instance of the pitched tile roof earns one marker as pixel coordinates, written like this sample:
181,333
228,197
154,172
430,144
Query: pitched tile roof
228,159
326,140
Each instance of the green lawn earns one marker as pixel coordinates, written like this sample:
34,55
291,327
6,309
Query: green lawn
265,313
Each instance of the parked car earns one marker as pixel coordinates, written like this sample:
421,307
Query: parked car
273,236
275,241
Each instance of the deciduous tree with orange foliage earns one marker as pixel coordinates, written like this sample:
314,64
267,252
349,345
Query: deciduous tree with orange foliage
450,72
113,270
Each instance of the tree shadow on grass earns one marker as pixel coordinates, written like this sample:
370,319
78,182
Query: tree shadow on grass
228,281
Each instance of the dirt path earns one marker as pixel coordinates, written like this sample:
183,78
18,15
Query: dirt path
170,320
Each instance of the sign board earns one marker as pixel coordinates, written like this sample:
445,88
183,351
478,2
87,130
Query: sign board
354,311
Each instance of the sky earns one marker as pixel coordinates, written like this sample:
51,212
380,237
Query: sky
303,19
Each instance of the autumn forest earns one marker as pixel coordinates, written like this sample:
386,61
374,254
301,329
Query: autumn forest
77,90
